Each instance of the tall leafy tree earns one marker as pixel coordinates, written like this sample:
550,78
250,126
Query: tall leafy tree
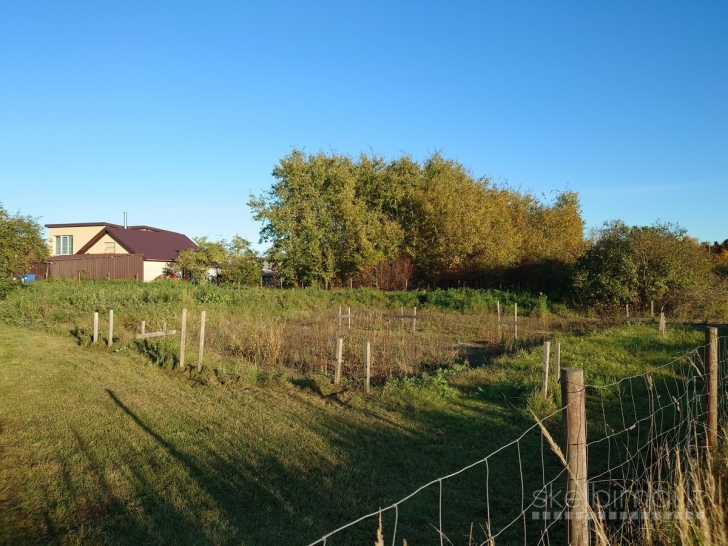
331,217
641,264
21,240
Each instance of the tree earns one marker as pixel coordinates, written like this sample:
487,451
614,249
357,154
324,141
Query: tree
641,264
240,266
200,261
233,263
20,242
331,218
319,219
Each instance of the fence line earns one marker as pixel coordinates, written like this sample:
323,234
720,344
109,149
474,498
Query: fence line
644,417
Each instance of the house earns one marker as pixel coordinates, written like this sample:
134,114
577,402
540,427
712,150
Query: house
156,247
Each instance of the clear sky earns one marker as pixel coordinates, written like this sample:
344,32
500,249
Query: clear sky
176,111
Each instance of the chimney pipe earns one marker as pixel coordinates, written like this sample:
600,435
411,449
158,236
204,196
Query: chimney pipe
124,220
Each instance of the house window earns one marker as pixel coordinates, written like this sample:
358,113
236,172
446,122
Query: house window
64,244
110,248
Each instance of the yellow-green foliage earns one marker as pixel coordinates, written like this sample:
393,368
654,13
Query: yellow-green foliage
331,218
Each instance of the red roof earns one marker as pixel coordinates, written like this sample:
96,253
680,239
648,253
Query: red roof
155,244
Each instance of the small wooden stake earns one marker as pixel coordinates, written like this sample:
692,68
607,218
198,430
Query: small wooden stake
515,317
414,319
339,354
183,340
144,327
663,325
626,308
367,358
164,327
545,375
96,326
348,312
652,308
202,341
711,371
111,327
339,316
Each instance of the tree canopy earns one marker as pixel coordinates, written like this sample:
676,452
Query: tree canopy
21,240
641,264
331,218
234,262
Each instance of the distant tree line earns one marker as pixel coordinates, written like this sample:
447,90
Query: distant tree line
332,219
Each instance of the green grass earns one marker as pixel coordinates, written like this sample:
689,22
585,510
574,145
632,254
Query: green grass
112,446
100,447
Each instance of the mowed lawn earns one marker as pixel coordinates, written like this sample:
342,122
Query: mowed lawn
101,447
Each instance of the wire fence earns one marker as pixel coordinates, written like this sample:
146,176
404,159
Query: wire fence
518,494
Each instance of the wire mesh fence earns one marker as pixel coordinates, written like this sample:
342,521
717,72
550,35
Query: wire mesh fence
519,493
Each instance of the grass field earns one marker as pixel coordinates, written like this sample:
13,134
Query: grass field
105,446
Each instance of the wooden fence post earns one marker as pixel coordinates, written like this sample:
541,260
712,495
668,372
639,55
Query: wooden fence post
96,326
339,316
545,375
652,308
711,372
348,312
515,321
183,340
339,354
663,325
401,320
367,358
111,327
626,308
144,327
414,319
573,415
202,341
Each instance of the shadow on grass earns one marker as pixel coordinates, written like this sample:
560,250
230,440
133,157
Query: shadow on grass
274,497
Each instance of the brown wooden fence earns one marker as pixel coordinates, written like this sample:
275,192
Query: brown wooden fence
93,267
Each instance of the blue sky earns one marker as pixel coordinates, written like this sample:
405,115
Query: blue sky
176,111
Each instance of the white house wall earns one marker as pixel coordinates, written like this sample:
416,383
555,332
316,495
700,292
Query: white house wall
152,270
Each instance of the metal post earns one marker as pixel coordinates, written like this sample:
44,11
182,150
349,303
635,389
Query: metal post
183,340
545,375
557,362
202,341
339,354
573,416
367,358
111,327
499,325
